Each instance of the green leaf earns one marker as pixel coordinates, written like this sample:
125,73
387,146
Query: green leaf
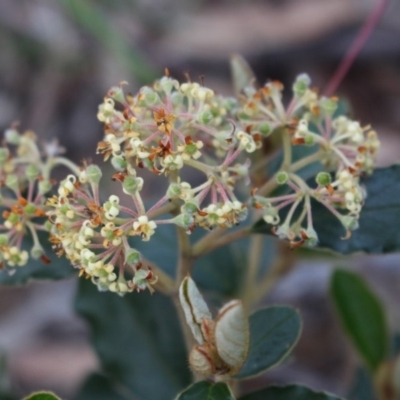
206,391
58,268
242,74
362,316
138,340
100,387
42,396
291,392
378,231
274,331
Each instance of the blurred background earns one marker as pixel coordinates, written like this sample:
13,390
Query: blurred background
59,57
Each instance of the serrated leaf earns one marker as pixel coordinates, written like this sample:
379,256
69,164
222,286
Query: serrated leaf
242,74
42,396
100,387
274,331
138,340
362,316
290,392
206,391
378,231
58,268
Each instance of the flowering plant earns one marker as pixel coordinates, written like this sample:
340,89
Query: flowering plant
229,168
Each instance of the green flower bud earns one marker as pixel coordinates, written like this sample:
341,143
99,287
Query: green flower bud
282,177
323,178
349,222
132,257
4,154
44,186
205,117
173,191
48,226
119,163
301,84
29,209
328,106
309,140
148,97
265,128
3,240
190,207
32,172
12,182
132,185
94,174
12,136
312,237
37,252
184,220
117,94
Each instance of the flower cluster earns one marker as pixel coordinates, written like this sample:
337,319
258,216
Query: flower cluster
203,143
344,149
25,182
94,235
171,126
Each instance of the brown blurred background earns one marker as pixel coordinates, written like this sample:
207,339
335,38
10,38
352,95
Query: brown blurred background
58,59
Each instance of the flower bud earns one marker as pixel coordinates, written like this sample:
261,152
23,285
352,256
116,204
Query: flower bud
205,117
94,174
12,182
117,94
4,154
190,207
37,252
328,106
201,361
323,178
44,186
264,128
12,136
30,209
131,185
282,177
3,240
32,172
132,257
119,163
301,85
148,97
186,221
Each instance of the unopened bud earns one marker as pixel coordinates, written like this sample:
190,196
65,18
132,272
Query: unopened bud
32,172
119,163
132,257
282,177
12,136
323,178
4,154
301,85
94,174
131,185
328,106
117,94
12,182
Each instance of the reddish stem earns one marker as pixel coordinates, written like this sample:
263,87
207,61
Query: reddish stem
356,47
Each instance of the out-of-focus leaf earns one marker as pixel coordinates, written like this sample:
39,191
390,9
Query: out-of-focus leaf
291,392
100,387
242,74
42,396
206,391
58,268
362,316
274,331
95,21
377,232
138,340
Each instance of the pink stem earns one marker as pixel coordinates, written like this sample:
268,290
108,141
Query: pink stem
356,47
